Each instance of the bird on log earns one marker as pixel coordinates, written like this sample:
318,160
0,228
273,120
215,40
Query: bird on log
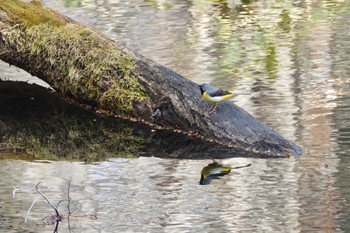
211,94
87,68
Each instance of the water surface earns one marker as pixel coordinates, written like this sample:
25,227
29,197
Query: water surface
287,63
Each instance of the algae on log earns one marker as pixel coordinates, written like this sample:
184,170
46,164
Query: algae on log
87,68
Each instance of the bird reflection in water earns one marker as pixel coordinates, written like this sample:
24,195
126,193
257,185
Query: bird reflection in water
215,170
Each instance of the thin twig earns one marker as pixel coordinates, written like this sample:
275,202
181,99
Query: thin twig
47,200
58,216
30,208
34,201
68,205
43,182
60,202
56,227
14,193
68,195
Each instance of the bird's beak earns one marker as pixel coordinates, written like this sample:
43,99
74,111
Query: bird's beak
201,88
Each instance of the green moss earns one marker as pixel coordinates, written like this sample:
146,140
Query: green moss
81,63
32,13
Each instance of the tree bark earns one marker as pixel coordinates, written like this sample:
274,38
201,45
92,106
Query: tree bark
93,71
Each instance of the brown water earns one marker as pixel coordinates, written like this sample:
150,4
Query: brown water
288,64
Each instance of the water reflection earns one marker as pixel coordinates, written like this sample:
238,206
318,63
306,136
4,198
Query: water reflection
213,170
150,194
34,121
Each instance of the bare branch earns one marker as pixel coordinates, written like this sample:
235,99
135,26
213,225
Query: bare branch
30,208
14,192
68,205
57,217
56,227
60,202
47,200
68,195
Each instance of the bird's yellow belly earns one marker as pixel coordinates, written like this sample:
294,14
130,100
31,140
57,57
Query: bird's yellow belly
214,99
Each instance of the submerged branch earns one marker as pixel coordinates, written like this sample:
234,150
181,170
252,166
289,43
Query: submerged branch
68,204
30,208
47,200
54,219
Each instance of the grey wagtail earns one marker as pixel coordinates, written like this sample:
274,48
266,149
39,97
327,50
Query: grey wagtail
211,94
213,171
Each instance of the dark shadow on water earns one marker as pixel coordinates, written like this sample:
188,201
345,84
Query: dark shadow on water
36,124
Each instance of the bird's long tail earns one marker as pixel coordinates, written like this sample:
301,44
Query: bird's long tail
248,165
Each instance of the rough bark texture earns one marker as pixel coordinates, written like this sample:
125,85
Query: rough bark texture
86,67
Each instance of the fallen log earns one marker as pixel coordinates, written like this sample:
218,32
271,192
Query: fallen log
86,68
36,124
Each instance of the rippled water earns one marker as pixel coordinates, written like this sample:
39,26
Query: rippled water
288,64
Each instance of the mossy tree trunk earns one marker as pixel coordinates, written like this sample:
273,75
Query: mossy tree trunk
89,69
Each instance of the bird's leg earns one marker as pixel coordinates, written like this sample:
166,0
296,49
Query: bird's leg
212,109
